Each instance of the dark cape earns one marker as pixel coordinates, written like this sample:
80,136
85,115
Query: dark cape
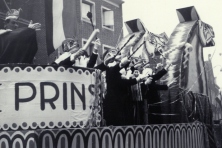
117,105
18,46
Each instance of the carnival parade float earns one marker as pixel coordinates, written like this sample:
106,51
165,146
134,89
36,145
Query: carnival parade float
47,106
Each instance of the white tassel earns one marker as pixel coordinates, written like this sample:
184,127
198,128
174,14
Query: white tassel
188,49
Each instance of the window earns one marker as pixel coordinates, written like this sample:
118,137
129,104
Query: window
88,6
107,18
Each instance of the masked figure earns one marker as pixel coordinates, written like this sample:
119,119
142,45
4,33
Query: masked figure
150,92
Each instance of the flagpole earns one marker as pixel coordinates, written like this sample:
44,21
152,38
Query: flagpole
7,6
124,45
89,15
136,50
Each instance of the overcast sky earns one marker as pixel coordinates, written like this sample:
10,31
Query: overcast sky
160,16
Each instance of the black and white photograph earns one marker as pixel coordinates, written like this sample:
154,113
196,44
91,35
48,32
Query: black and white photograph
110,74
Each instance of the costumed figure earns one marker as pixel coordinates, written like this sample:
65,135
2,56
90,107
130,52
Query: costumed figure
150,92
84,60
117,105
137,99
75,56
139,102
17,45
69,47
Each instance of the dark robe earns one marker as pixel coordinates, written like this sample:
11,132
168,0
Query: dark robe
18,46
150,93
117,106
92,60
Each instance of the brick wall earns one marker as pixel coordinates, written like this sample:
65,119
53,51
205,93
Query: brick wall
35,10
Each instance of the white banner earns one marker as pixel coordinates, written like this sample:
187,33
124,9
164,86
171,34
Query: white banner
45,97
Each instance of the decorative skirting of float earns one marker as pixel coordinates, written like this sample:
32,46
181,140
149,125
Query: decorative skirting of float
150,136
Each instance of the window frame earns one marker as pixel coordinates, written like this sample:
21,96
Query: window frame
113,3
92,5
102,18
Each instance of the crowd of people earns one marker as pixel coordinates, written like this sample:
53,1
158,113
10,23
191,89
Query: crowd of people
131,85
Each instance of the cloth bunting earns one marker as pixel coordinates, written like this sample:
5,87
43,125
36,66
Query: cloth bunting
60,23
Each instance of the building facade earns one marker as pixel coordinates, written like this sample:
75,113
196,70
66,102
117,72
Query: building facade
106,16
213,90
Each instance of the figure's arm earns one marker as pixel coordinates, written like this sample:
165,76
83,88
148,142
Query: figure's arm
63,59
162,72
159,74
36,26
92,60
101,67
93,57
66,62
